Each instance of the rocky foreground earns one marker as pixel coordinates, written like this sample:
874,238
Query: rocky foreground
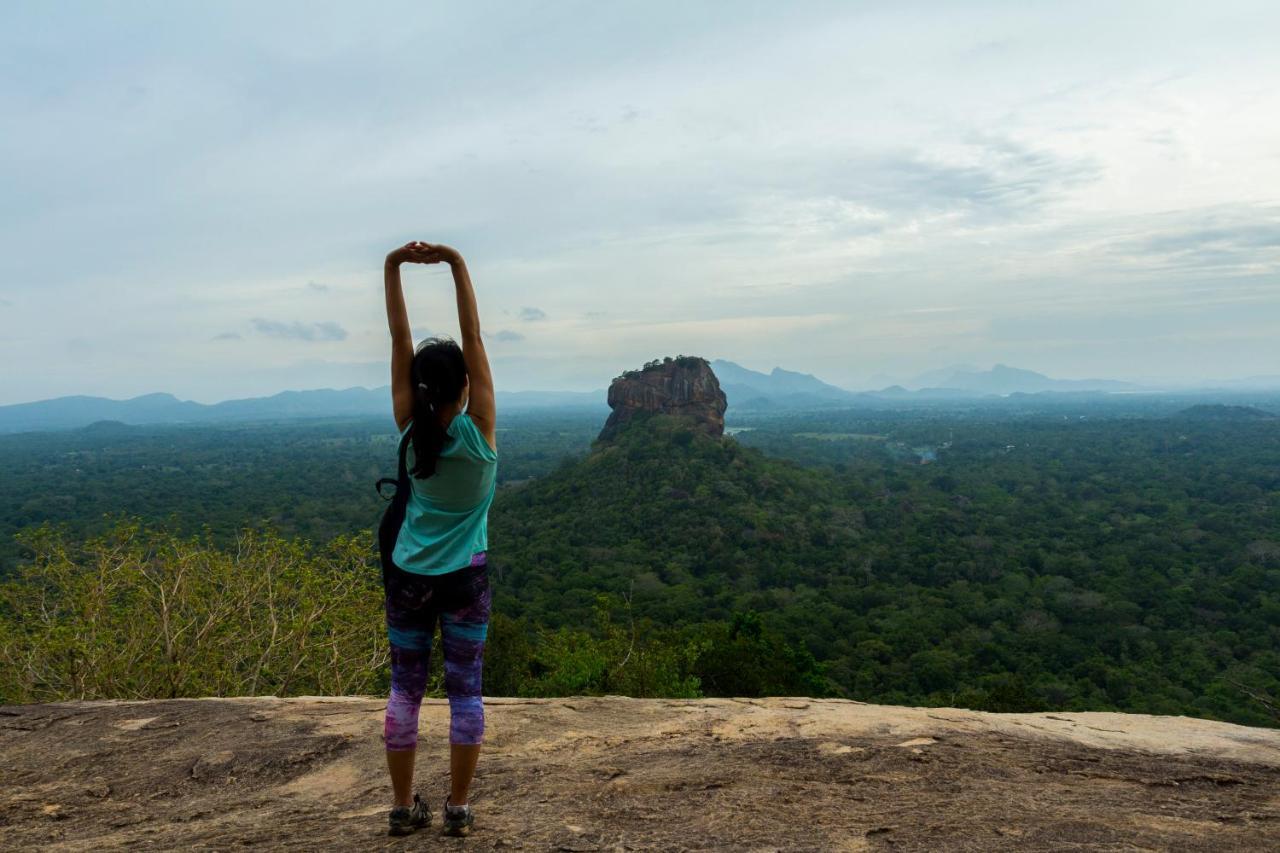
626,774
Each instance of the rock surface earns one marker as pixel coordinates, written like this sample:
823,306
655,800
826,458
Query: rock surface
628,774
674,386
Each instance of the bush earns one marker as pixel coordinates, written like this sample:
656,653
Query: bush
140,614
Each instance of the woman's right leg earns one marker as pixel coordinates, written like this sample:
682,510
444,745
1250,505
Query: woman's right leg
410,624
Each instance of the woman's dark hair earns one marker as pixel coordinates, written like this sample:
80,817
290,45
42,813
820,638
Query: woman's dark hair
439,375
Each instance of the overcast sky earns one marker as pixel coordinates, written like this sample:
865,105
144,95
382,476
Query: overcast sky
197,197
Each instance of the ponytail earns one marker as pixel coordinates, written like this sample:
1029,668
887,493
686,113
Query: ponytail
428,435
439,374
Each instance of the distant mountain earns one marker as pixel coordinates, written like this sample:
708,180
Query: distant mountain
70,412
517,400
937,394
785,389
1003,379
325,402
1249,383
73,412
1220,412
941,377
107,428
778,388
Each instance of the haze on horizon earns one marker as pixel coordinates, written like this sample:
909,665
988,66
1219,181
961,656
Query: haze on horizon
197,198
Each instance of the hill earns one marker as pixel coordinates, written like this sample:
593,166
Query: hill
589,774
684,386
661,508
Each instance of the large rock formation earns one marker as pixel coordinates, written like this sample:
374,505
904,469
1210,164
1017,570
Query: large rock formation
684,385
636,774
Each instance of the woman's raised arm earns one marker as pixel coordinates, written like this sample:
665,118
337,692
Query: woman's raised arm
482,406
401,335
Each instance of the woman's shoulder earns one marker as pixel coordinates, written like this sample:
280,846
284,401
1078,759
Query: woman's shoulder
464,429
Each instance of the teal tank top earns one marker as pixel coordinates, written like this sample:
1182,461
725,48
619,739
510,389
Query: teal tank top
446,522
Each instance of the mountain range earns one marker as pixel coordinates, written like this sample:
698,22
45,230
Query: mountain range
79,411
1003,379
779,388
751,389
745,389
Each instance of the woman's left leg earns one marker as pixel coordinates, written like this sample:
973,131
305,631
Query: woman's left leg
400,728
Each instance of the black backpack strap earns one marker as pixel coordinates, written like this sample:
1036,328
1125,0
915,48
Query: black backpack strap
393,515
402,474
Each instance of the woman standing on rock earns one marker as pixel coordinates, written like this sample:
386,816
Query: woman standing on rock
443,399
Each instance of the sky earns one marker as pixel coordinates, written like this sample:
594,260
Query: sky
196,198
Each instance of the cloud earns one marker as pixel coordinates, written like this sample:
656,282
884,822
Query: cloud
1228,239
228,336
507,336
325,331
1019,164
984,178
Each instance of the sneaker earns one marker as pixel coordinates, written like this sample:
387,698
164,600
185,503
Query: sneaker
406,821
457,819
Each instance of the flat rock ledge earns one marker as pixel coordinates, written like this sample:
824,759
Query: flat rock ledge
607,774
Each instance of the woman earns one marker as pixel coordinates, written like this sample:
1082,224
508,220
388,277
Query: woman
444,394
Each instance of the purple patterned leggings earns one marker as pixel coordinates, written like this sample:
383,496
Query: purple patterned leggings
460,602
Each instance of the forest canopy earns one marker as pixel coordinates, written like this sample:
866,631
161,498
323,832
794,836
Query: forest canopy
996,559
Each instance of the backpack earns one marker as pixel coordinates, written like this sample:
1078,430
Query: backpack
393,516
